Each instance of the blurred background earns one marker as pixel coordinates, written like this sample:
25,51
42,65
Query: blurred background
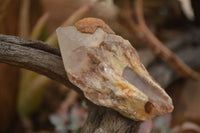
32,103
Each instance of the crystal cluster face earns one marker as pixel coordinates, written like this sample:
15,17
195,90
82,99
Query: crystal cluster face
108,70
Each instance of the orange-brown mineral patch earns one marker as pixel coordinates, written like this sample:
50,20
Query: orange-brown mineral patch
89,25
148,107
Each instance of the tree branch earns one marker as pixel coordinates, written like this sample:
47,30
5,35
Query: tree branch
46,60
144,33
35,56
187,48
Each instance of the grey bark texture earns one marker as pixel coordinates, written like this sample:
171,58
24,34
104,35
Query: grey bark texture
46,60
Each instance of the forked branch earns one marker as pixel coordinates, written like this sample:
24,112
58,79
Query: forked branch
144,33
46,60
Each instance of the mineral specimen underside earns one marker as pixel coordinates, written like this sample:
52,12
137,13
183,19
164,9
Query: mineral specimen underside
107,69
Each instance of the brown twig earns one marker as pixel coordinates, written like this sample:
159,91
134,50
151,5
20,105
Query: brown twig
46,60
156,45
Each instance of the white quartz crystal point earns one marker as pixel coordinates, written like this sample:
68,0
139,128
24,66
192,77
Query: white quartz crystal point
108,70
71,40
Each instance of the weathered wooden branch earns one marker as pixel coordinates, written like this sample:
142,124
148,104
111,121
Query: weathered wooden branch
35,56
46,60
138,25
187,48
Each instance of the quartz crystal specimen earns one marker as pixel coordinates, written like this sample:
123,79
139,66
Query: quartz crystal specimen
108,70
